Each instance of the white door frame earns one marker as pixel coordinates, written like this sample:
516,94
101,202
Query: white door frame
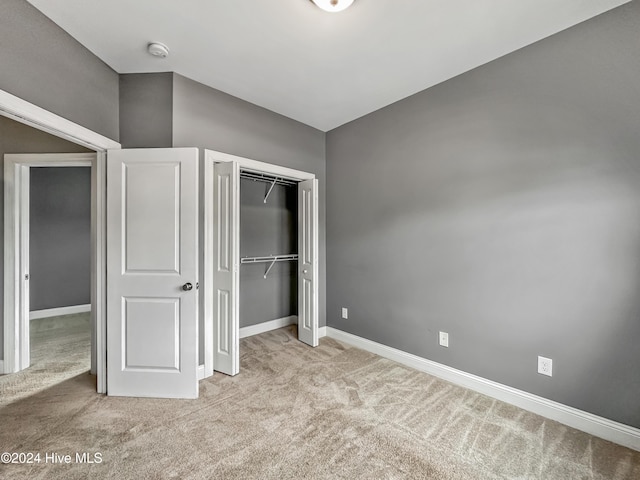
212,157
16,252
41,119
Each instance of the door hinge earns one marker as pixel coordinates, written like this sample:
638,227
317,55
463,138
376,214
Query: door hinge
26,276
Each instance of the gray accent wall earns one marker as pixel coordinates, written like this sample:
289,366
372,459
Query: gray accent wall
59,237
44,65
267,229
146,110
503,207
16,137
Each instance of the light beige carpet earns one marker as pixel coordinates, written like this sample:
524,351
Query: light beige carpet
60,349
295,412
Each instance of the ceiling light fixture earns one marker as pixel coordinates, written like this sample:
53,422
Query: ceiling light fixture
333,6
158,50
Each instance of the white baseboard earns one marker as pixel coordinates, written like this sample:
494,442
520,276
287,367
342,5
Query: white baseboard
1,366
322,332
268,326
55,312
200,372
587,422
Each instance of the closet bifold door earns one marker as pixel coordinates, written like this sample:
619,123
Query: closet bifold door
308,262
226,259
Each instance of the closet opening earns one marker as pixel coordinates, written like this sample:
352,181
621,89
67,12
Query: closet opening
260,255
268,252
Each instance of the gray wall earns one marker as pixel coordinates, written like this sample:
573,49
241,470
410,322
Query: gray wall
267,229
59,237
503,207
64,78
18,138
146,109
207,118
44,65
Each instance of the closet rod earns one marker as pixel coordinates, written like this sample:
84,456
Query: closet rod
270,259
263,177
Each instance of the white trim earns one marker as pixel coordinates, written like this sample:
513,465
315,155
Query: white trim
25,112
16,246
201,369
322,332
213,156
11,270
99,270
587,422
1,367
252,330
56,312
53,159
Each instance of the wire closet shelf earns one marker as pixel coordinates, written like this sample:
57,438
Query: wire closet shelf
273,180
263,177
272,259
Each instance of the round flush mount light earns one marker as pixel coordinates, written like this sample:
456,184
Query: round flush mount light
333,6
158,50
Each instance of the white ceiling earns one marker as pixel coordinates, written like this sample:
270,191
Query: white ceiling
322,69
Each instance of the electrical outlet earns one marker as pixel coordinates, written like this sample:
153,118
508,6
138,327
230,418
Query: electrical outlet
345,313
444,339
545,366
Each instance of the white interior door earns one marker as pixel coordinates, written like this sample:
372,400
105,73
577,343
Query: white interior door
226,260
152,252
308,262
23,285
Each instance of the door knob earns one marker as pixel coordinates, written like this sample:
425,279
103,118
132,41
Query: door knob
187,286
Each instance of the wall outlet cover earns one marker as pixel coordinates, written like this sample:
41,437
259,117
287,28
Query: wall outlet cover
545,366
345,313
444,339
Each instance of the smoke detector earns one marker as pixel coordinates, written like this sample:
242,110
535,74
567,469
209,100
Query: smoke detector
158,50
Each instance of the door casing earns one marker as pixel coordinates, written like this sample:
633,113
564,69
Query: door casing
25,112
16,288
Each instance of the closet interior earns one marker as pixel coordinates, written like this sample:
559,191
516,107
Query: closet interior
268,248
261,255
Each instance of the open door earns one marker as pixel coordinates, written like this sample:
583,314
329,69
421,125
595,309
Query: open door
152,273
308,262
226,260
17,346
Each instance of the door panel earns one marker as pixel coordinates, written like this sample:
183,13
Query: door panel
148,320
308,262
153,217
152,251
226,259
